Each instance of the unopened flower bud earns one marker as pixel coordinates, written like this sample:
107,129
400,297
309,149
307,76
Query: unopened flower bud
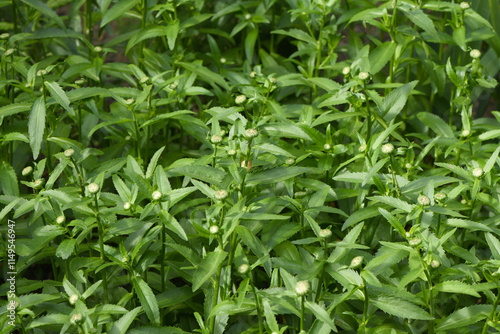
231,152
240,99
76,318
156,195
435,264
325,233
144,80
38,183
251,133
9,52
290,161
27,171
302,288
216,139
223,60
327,147
346,70
362,148
243,269
127,205
97,49
387,148
248,16
440,196
408,166
129,101
356,262
5,35
69,152
465,133
415,242
73,299
253,74
363,76
41,73
300,194
221,194
423,200
93,188
60,220
214,229
475,54
477,172
464,5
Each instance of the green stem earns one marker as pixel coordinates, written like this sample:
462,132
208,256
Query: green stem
302,299
492,313
394,179
101,246
365,304
215,297
257,306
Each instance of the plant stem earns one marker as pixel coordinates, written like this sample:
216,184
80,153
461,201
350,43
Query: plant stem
257,305
101,246
493,312
302,299
365,305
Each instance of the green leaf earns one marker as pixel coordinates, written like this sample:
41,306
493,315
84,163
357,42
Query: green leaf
16,108
8,180
393,221
151,31
378,142
400,308
154,161
207,268
494,245
459,37
203,173
172,32
374,170
483,136
250,44
418,17
465,317
121,326
147,299
436,123
45,10
380,56
491,161
36,126
205,74
284,130
321,314
65,249
455,287
394,202
117,10
359,215
172,224
396,100
274,175
60,96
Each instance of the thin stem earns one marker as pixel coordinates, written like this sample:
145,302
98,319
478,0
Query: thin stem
257,306
101,246
302,299
492,316
365,305
215,297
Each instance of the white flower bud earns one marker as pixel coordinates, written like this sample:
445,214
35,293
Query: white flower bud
464,5
463,201
97,49
69,152
423,200
327,147
415,242
214,229
387,148
9,52
302,288
243,269
27,171
408,234
325,233
475,54
172,86
5,35
221,194
231,152
79,82
346,70
216,139
465,133
477,172
60,220
251,133
408,165
362,148
144,80
38,183
93,188
76,318
440,196
356,262
435,264
41,73
364,76
253,74
223,60
273,80
73,299
129,101
248,17
127,205
290,161
156,195
240,99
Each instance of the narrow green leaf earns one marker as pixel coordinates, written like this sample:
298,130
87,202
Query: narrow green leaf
207,268
393,221
151,31
396,100
400,308
205,74
60,96
121,326
321,314
491,161
14,108
36,126
65,249
8,180
45,10
360,215
172,224
422,20
117,10
436,123
250,44
494,245
465,317
147,299
394,202
380,56
172,32
154,161
275,175
203,173
459,37
455,287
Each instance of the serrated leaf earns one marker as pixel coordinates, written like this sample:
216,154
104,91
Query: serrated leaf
360,215
60,96
491,161
172,224
465,317
392,220
154,161
147,299
321,314
494,245
436,123
14,108
380,56
203,173
455,287
44,9
36,126
121,326
400,308
394,202
207,268
205,74
65,249
8,180
172,32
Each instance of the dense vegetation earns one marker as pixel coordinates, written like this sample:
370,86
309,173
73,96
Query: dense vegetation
274,166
